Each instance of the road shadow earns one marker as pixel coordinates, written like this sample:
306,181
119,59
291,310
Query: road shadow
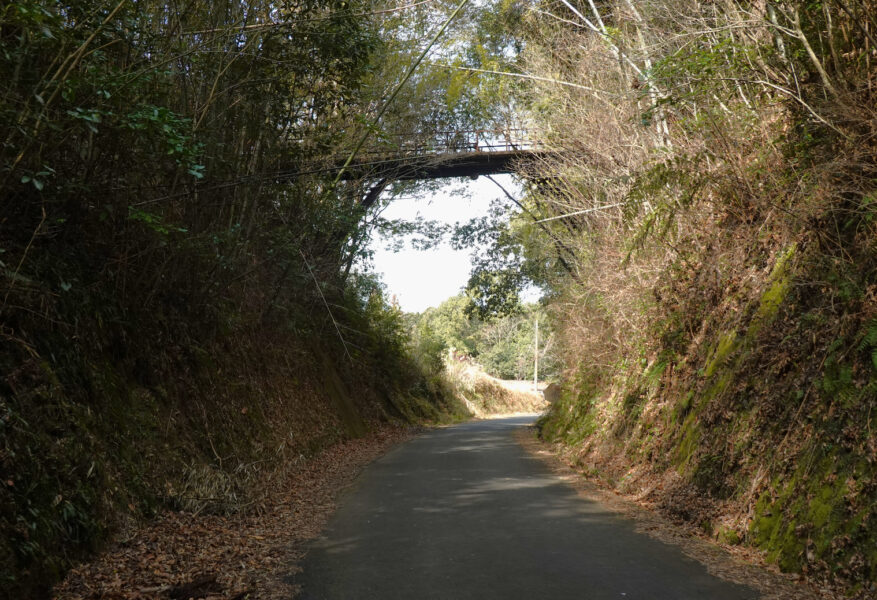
465,512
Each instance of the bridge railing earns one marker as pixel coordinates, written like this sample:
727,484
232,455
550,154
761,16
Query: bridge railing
455,142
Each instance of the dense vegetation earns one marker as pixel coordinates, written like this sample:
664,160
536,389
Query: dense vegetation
503,345
714,262
179,307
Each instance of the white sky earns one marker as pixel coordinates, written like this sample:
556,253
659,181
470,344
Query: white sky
420,279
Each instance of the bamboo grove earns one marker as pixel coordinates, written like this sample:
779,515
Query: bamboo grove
175,282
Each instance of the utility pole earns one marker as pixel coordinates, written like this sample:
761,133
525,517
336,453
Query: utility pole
536,358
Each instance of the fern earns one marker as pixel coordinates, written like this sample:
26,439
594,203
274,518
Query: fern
869,342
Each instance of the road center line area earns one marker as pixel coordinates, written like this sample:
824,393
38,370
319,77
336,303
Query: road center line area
466,512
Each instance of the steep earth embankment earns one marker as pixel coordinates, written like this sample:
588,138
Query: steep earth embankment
177,320
759,429
241,533
249,554
713,219
91,448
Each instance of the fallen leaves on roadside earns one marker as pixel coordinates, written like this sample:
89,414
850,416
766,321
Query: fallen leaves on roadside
184,555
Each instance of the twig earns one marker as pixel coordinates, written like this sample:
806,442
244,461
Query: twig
525,76
581,212
782,90
826,80
558,243
334,15
329,310
395,93
23,256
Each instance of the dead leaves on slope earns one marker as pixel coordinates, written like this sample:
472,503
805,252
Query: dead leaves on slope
184,555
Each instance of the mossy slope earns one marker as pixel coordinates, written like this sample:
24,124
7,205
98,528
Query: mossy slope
769,422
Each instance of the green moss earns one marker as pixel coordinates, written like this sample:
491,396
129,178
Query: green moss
766,520
809,507
726,345
823,504
652,376
774,532
721,368
571,418
631,409
582,424
769,304
727,535
680,410
824,509
689,441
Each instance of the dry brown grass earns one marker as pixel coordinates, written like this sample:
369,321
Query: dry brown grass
769,151
486,396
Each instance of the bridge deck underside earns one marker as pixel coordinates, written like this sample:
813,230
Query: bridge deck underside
433,167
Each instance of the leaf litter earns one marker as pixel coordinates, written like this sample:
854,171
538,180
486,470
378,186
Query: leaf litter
242,556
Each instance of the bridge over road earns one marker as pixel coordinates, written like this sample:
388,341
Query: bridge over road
444,154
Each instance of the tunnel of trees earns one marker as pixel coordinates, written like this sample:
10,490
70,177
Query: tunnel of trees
183,295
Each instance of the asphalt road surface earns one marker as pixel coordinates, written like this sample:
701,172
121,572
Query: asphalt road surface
466,513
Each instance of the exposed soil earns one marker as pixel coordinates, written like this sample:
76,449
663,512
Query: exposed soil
733,563
240,556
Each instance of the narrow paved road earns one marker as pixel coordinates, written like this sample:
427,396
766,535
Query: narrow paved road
466,513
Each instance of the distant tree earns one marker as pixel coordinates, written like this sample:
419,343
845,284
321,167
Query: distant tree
506,345
503,345
446,326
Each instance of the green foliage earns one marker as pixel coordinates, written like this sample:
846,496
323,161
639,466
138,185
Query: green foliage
503,346
153,223
572,418
400,232
147,236
509,260
494,291
443,328
506,345
706,66
667,188
52,481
